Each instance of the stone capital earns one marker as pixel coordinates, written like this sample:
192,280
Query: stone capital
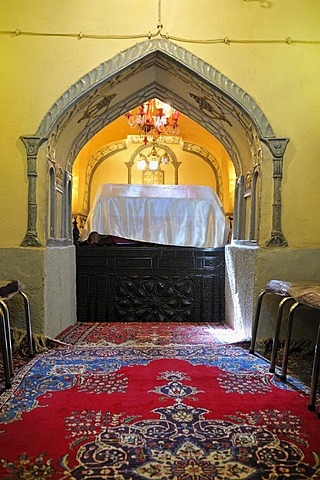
276,240
32,144
277,146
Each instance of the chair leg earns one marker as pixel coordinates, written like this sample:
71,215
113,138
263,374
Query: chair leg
277,334
315,374
5,352
28,323
5,312
256,321
283,375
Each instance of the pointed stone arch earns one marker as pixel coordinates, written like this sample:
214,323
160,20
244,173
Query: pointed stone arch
107,71
162,69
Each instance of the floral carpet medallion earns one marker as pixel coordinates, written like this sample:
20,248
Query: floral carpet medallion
156,413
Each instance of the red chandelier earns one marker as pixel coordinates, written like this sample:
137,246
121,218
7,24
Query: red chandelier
154,118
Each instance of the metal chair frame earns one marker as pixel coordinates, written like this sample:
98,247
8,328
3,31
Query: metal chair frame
5,334
284,367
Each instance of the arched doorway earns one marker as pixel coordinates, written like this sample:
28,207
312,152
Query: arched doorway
156,68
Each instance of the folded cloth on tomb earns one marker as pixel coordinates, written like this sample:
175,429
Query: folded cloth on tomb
181,215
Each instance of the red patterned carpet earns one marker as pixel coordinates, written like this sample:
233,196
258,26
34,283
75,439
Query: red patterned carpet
156,333
156,411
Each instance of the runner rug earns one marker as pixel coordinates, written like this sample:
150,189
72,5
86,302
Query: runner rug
146,332
155,412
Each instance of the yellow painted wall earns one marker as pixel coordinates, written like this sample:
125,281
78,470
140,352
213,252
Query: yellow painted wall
282,78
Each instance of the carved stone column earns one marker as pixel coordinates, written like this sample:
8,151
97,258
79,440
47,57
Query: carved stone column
235,212
32,145
277,147
241,210
252,220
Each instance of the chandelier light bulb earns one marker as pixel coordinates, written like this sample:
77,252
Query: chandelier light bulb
152,159
154,118
141,164
153,164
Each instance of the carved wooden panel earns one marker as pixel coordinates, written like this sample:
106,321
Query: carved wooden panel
154,298
150,284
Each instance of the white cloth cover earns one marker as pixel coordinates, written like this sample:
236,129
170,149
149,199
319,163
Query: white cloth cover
305,292
182,215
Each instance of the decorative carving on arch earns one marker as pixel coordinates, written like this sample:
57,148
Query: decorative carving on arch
154,47
93,163
97,109
206,156
215,110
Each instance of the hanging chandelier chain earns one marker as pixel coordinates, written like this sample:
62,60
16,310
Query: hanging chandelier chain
159,24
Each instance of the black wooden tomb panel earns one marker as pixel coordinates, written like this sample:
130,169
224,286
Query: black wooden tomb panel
150,284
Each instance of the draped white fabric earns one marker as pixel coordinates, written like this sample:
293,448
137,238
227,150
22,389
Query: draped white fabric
181,215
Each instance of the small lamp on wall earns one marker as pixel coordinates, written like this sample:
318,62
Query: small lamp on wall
152,160
153,164
141,164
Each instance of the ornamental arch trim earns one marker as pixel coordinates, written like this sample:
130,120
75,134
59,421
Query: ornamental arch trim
98,98
125,59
